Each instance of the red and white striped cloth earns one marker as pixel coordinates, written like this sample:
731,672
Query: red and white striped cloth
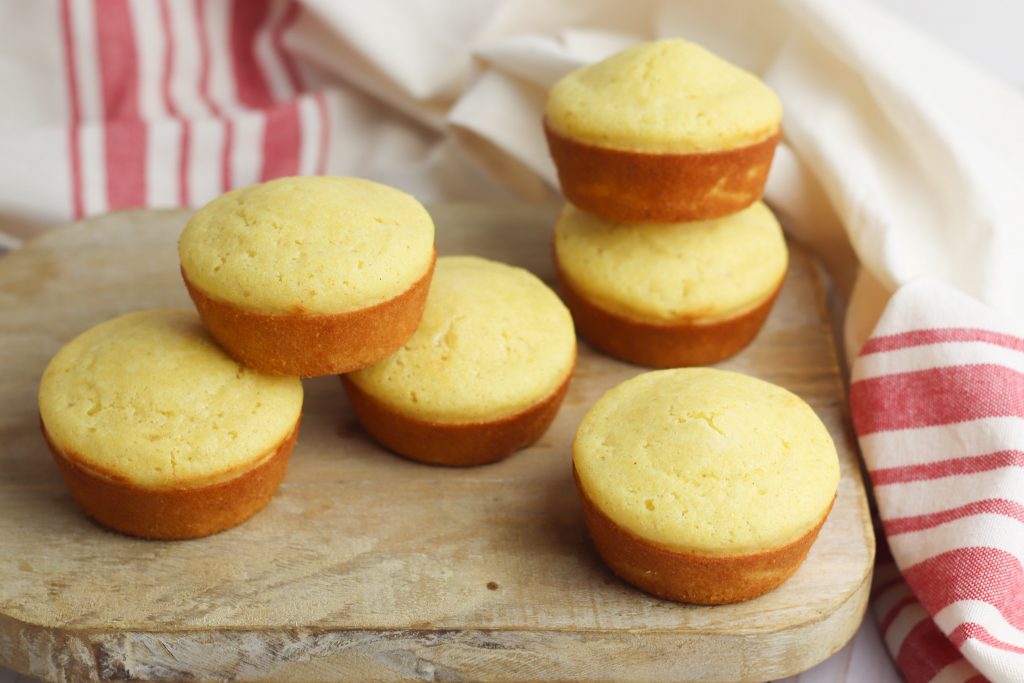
937,398
204,89
116,104
113,104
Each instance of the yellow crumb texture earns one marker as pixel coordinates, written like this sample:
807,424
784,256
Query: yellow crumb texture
151,398
707,461
494,341
673,272
667,96
311,245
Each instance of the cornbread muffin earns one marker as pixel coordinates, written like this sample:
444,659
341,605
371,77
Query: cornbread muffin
482,377
671,294
702,485
660,132
161,434
309,276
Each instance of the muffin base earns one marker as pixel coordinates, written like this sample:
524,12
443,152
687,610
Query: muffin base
454,444
686,577
640,187
312,345
172,513
670,345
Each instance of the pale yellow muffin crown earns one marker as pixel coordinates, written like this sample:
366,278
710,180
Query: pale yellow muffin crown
668,272
150,398
312,245
707,461
667,96
494,341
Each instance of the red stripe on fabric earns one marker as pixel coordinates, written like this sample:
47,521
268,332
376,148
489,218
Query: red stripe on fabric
989,506
74,148
940,335
125,154
124,130
168,66
282,137
282,141
184,189
204,59
925,652
970,630
204,91
119,63
227,179
291,14
885,622
247,19
936,396
185,141
977,679
968,464
985,574
325,133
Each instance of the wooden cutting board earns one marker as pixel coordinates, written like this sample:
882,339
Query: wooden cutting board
367,566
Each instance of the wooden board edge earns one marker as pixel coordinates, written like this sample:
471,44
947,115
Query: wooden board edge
286,654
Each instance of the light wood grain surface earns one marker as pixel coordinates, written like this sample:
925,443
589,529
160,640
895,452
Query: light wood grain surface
367,566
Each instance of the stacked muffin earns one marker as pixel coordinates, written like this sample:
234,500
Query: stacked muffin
666,256
458,365
697,485
461,364
162,432
310,276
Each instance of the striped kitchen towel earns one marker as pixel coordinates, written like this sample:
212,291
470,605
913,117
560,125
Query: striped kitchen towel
205,88
937,399
115,104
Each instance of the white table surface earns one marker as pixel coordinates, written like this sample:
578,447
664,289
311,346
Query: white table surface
988,33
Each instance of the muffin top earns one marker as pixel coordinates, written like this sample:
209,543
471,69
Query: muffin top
667,96
150,398
673,272
311,245
494,341
707,461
